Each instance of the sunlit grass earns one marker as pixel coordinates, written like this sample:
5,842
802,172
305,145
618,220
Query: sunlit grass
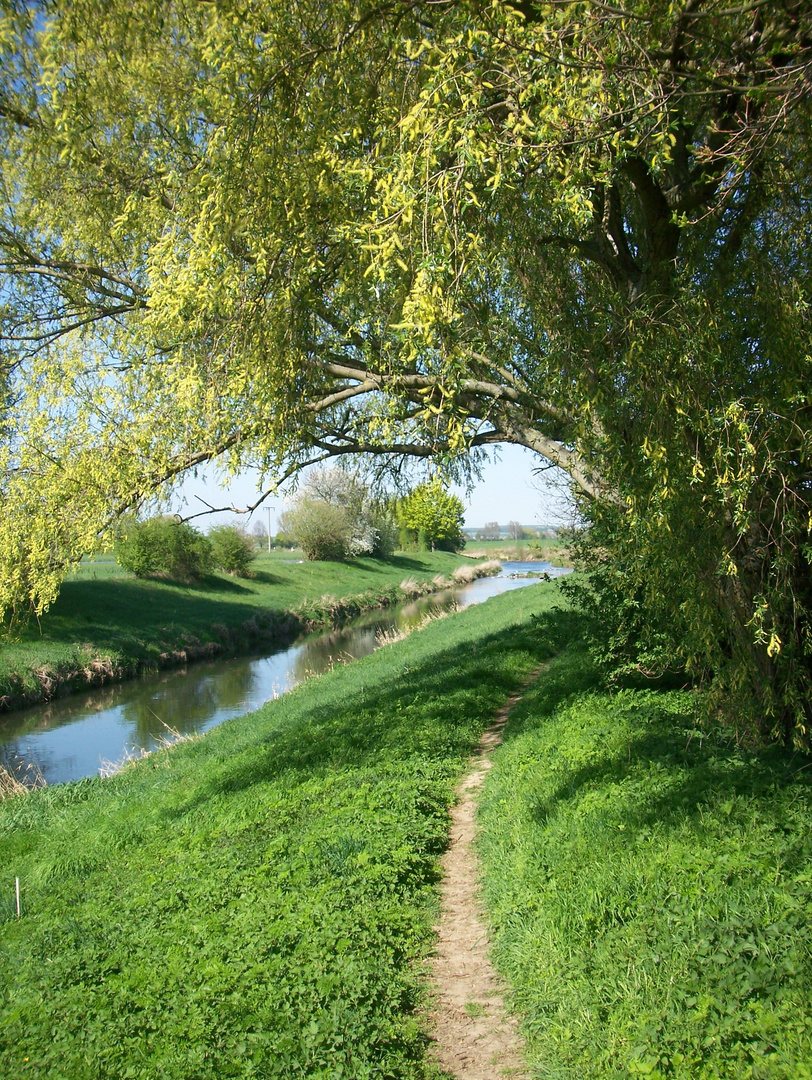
650,888
256,902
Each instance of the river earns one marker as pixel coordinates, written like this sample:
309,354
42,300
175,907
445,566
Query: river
72,737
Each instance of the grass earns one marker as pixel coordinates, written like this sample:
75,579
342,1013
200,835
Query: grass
258,902
650,888
107,624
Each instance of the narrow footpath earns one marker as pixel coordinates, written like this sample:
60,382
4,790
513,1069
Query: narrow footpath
474,1037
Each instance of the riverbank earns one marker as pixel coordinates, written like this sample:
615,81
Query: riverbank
647,881
257,901
108,626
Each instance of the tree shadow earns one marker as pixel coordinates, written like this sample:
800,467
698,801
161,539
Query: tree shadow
128,613
693,771
404,562
210,584
354,734
264,578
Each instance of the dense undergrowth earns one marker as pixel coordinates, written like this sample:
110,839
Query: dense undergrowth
108,625
255,903
650,885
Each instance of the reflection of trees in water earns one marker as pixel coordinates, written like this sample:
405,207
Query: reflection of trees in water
30,772
322,652
318,654
411,615
189,702
10,760
55,714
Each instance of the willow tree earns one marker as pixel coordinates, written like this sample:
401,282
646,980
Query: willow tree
268,234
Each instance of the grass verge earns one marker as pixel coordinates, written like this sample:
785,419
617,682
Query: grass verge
107,625
256,903
650,888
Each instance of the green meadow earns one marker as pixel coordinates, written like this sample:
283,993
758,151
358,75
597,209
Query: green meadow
256,903
649,885
260,902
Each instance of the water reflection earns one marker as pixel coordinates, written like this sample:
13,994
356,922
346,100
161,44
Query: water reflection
69,738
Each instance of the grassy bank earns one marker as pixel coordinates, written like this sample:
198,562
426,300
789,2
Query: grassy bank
107,625
256,903
650,888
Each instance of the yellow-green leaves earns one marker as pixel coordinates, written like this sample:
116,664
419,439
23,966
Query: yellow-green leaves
294,229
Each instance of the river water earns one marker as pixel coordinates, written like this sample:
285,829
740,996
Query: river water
78,736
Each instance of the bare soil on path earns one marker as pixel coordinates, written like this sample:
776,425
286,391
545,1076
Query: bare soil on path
474,1037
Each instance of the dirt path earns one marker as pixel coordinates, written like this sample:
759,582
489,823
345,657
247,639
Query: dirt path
474,1037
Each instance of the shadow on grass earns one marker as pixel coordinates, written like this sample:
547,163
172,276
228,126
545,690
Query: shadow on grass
403,562
557,634
264,578
673,772
110,610
446,700
212,584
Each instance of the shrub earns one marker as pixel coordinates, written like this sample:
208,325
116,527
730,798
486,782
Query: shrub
321,528
233,550
164,546
334,517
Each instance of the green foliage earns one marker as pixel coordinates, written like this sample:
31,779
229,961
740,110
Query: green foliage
164,546
233,551
631,632
430,517
510,222
257,902
321,529
334,517
649,888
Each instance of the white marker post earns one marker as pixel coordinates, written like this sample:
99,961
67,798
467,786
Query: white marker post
17,886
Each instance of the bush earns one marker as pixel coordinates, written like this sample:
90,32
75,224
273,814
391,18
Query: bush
233,550
334,517
321,528
164,546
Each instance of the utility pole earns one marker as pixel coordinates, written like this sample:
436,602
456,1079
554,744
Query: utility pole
269,528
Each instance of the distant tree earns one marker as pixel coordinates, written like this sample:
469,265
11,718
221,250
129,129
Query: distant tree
164,546
334,516
259,532
515,530
430,517
489,532
233,550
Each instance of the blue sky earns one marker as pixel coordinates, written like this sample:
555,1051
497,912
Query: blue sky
508,491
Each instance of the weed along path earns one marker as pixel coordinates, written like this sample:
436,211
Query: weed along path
475,1039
